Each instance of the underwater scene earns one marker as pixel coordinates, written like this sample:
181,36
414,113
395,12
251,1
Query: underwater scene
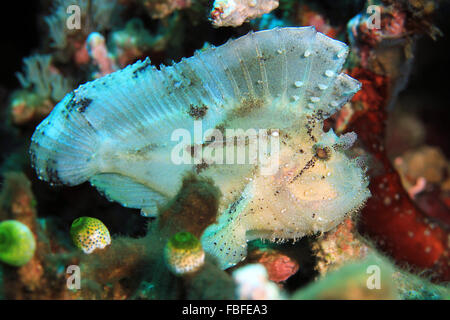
225,150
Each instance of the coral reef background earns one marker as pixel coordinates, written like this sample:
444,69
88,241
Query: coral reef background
400,115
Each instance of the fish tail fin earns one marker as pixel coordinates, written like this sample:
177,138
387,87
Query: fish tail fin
62,153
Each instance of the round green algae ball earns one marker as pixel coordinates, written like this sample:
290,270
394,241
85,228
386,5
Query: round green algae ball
184,253
89,234
17,243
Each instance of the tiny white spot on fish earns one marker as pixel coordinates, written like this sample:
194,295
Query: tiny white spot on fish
298,84
280,51
341,54
329,73
307,53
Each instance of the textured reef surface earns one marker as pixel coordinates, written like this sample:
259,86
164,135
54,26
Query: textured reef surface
240,149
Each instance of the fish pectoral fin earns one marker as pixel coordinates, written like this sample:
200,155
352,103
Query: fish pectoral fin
227,244
226,240
129,193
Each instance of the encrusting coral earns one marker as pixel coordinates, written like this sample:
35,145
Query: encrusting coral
373,277
37,278
148,263
390,217
340,246
367,279
106,273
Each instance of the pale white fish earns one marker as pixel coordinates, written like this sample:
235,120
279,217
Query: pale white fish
118,133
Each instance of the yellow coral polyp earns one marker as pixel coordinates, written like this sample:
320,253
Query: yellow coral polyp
89,234
184,254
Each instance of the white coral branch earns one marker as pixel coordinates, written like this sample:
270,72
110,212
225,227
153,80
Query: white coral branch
39,76
235,12
96,16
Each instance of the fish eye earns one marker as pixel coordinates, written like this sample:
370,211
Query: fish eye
322,153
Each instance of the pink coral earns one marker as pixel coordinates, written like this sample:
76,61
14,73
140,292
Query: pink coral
278,265
309,17
98,52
